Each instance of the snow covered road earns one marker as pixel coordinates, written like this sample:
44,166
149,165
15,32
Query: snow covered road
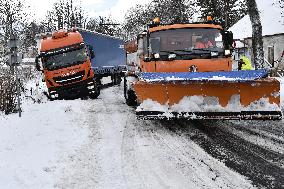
100,144
124,152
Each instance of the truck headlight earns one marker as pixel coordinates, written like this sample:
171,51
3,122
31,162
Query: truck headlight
214,53
91,87
227,52
157,55
172,56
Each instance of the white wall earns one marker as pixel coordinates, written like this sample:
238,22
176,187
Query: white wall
276,40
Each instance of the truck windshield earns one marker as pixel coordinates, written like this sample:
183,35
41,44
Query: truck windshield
186,40
64,59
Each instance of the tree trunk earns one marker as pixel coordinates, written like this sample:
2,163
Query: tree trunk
257,42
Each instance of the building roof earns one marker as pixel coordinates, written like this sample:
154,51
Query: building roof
271,19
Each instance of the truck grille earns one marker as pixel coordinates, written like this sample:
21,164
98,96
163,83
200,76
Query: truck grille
70,78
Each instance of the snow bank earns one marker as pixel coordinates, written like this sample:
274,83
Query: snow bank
106,80
261,105
207,104
35,89
33,147
150,105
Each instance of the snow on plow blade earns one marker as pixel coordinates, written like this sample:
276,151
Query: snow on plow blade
213,95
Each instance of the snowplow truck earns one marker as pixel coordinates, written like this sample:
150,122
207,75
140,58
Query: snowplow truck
74,61
185,71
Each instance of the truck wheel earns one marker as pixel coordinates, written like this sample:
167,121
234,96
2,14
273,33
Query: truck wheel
95,91
129,94
131,98
53,95
116,79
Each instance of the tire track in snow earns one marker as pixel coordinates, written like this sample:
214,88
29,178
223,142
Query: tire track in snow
161,171
130,168
198,162
272,132
262,166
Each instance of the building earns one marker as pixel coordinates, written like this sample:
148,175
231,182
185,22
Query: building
272,30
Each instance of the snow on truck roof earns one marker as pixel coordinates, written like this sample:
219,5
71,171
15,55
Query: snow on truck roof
179,26
271,19
74,37
54,43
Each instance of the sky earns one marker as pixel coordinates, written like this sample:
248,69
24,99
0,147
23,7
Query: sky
115,8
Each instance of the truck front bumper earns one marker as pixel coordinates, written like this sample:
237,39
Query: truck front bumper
73,90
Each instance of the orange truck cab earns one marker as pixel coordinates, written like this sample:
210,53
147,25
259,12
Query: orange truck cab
180,47
66,65
172,48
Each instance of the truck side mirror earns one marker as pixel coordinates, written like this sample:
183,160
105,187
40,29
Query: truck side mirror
229,39
91,50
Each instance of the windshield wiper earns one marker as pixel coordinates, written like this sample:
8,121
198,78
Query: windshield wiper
178,50
169,52
184,50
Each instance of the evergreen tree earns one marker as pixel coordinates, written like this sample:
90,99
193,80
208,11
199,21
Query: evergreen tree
65,14
12,19
169,11
228,11
105,25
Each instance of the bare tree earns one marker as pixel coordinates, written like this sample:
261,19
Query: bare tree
106,25
257,42
12,17
65,14
170,11
229,11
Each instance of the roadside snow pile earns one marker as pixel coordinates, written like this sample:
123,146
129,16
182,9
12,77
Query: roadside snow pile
150,105
33,148
35,89
207,104
261,105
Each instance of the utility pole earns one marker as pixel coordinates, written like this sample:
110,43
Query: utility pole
14,61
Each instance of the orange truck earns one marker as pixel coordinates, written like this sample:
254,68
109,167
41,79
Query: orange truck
72,69
185,71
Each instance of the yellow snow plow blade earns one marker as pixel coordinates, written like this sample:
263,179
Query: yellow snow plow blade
209,99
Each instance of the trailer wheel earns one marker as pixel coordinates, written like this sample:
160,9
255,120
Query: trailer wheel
129,94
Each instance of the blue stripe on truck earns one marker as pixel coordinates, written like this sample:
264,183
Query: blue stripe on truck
186,76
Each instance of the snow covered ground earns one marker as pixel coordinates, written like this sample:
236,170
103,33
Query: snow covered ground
100,144
33,148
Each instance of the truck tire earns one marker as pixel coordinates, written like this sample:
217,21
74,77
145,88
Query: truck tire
116,79
52,95
95,92
129,94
